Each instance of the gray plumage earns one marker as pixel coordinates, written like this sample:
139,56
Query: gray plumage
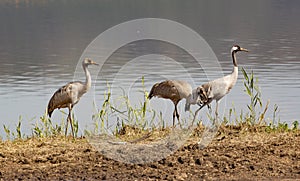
175,90
218,88
70,94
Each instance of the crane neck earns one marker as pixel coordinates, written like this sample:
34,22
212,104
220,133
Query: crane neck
235,70
88,77
234,58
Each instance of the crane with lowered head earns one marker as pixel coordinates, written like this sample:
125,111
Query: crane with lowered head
174,90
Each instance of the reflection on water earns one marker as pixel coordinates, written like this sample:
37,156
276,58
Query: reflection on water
41,42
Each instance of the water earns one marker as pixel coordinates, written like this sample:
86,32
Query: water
42,41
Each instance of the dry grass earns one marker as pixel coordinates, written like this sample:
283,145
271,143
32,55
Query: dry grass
233,154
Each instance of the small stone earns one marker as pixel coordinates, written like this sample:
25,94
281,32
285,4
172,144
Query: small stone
197,161
180,160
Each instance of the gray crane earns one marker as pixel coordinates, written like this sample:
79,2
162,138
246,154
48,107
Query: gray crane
175,90
218,88
69,95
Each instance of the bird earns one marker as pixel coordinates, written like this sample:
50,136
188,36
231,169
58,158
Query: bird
218,88
174,90
69,95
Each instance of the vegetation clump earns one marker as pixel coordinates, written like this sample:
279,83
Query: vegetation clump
133,123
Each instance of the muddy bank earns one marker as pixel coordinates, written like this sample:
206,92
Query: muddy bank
231,155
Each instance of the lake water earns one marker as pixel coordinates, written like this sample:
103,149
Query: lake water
42,42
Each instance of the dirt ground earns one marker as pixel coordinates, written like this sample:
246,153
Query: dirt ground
232,155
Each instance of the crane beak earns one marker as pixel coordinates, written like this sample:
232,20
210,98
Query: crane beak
244,49
94,63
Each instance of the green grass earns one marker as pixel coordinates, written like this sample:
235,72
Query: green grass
255,117
14,134
134,116
124,111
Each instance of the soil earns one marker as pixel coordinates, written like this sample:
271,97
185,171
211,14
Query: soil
232,155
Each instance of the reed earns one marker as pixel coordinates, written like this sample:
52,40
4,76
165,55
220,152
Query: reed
127,115
123,111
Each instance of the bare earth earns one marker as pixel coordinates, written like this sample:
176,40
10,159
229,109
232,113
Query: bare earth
232,155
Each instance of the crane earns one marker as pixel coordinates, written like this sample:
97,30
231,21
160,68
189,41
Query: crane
218,88
175,90
69,95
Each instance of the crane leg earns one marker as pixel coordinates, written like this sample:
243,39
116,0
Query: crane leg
216,114
209,108
177,115
67,125
174,114
197,113
72,129
69,119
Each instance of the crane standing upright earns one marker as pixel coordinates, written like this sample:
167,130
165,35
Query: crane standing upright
69,95
218,88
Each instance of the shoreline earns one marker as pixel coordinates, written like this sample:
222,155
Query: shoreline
232,155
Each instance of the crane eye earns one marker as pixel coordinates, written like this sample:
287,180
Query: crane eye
199,92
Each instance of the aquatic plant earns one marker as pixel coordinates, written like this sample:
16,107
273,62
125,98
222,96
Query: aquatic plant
135,116
123,111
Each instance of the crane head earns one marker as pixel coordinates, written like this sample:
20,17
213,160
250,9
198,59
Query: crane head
202,94
237,48
88,61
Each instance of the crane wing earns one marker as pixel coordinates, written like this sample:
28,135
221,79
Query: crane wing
184,89
165,89
61,98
